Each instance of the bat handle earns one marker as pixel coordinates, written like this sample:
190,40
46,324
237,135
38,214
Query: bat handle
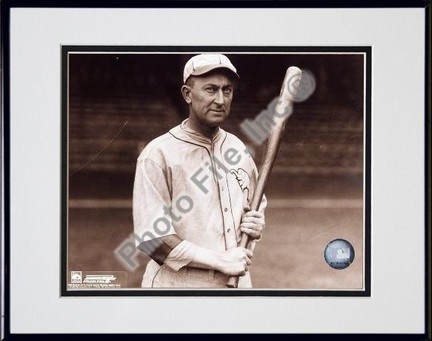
233,281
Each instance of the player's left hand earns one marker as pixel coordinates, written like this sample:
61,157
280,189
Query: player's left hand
252,224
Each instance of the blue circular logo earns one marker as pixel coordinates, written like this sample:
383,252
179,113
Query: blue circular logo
339,254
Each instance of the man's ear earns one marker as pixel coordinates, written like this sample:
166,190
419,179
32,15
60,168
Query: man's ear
186,92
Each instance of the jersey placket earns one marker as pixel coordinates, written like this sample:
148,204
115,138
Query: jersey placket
224,198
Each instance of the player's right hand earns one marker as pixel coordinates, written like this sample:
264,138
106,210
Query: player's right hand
235,262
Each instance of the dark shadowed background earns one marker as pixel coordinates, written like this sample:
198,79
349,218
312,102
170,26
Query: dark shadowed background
118,102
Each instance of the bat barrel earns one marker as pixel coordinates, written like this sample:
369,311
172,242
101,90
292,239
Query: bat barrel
283,111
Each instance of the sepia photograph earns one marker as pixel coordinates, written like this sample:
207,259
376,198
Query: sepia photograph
257,169
215,170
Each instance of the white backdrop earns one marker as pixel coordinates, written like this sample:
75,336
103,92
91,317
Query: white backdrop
397,40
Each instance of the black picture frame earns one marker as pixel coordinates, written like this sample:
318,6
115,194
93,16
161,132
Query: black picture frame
6,8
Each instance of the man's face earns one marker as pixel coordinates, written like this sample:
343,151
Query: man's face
209,98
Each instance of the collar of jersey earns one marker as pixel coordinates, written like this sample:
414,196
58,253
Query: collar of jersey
184,133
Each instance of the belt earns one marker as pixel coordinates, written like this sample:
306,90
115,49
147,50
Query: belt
210,274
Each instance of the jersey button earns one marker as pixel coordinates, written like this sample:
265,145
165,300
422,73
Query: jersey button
225,209
229,230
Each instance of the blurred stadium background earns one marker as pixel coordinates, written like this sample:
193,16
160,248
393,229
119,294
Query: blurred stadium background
119,102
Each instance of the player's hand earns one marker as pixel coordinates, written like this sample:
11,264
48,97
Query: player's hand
252,224
235,262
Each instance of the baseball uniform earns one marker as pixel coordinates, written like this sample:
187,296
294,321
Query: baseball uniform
194,189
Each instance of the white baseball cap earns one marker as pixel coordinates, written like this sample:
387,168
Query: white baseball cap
203,63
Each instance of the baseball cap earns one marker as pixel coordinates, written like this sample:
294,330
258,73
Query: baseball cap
203,63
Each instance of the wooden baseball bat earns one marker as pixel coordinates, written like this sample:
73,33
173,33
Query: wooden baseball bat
282,112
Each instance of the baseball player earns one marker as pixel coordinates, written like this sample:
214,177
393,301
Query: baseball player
192,188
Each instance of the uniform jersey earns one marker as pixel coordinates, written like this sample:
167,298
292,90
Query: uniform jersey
197,188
